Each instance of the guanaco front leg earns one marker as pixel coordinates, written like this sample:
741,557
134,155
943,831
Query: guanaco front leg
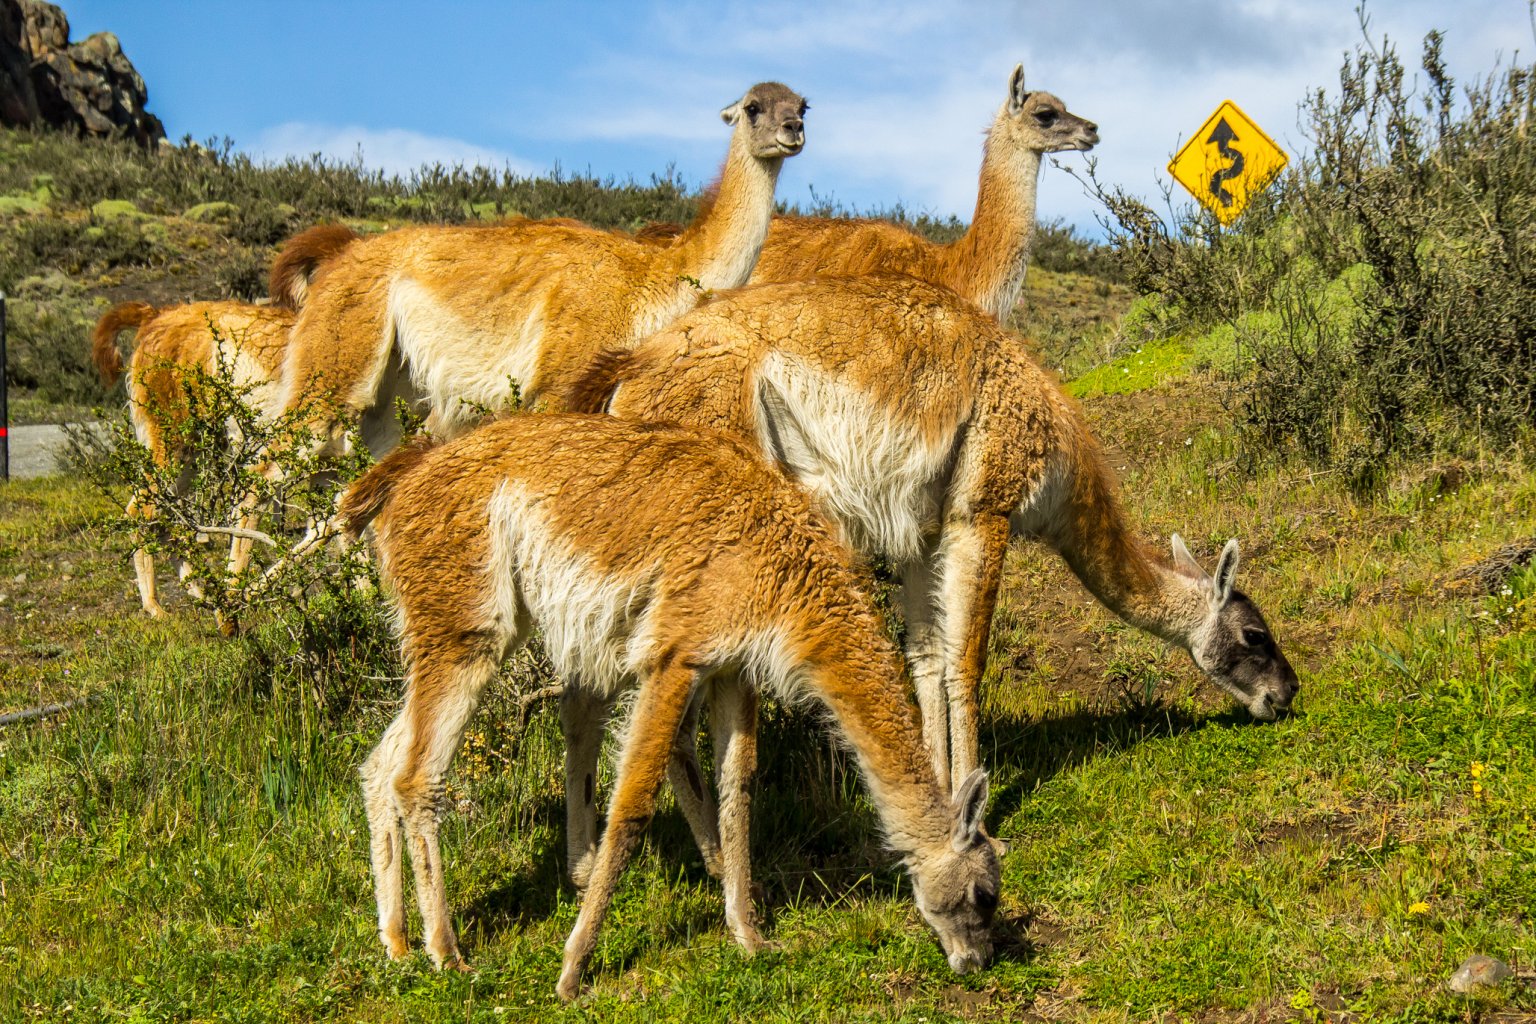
972,567
733,730
925,659
649,738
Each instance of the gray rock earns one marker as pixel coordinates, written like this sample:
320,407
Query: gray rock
1476,971
20,577
89,87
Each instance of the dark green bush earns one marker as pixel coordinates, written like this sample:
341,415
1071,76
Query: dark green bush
48,338
33,244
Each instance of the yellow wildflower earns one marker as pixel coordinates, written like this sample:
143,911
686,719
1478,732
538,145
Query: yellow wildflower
1418,908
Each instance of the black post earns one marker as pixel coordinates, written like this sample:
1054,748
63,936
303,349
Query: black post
5,410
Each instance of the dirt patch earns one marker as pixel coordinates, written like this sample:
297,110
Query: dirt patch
1333,828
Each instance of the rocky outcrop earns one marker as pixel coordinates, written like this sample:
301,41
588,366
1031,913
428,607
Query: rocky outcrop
89,87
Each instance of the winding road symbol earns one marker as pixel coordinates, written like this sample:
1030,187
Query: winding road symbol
1227,162
1224,136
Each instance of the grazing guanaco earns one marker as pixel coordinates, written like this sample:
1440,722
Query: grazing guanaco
456,315
926,430
250,341
202,337
668,561
987,263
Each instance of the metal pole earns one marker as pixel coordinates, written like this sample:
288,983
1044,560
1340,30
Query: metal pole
5,410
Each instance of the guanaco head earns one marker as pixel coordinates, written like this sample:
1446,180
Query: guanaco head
956,891
772,116
1040,122
1234,646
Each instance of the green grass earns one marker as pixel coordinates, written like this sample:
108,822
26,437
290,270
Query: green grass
190,845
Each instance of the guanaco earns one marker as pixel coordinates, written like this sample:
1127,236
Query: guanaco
249,340
667,561
927,431
171,346
461,318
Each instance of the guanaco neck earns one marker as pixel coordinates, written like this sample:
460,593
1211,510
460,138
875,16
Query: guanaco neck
1092,534
870,697
987,263
720,248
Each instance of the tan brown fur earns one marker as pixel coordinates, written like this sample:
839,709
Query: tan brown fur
464,311
987,264
657,558
301,257
169,343
927,431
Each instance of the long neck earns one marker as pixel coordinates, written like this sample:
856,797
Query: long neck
1090,531
870,698
720,248
988,262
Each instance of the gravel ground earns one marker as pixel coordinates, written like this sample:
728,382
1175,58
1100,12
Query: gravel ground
36,450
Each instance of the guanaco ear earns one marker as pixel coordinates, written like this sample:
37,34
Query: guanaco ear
1185,562
1226,573
732,113
970,806
782,432
1017,94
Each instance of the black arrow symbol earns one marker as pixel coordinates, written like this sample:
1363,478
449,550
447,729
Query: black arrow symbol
1224,136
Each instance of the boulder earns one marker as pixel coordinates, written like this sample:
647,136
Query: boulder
88,87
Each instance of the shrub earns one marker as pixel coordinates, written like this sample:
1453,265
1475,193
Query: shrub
218,454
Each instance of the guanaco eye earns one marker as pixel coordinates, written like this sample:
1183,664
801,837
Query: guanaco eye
1046,118
804,107
753,110
986,900
1255,637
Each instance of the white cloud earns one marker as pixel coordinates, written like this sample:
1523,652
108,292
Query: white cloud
395,151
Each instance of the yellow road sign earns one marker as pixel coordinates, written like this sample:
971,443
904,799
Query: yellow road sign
1227,162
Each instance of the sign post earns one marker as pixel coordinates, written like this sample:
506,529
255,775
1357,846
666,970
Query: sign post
1227,162
5,410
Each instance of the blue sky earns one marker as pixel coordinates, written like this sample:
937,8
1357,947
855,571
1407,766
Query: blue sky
901,91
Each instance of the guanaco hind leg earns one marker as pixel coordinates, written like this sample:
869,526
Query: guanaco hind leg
583,714
143,561
582,718
971,570
694,797
403,783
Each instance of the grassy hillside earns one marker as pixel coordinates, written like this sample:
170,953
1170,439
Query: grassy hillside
188,843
